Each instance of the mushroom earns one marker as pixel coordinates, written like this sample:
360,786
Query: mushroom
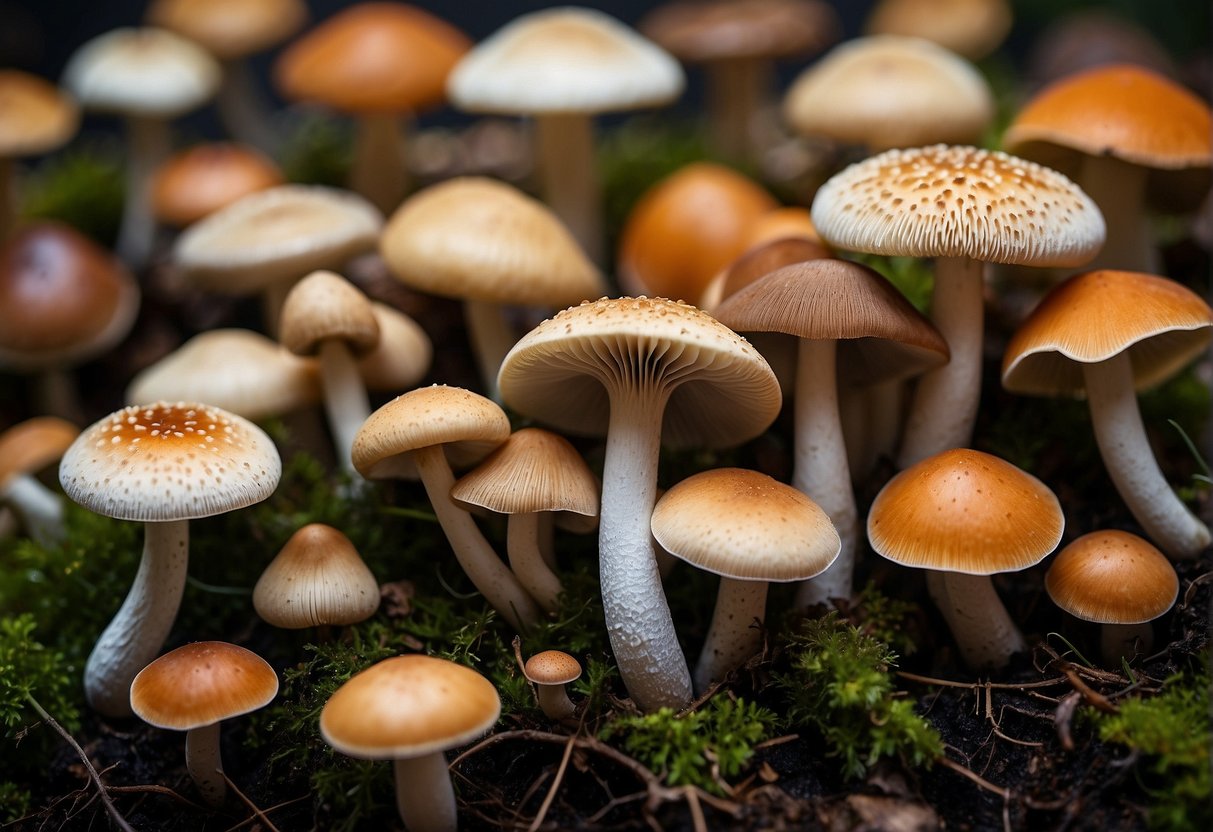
25,449
162,464
35,118
1119,581
637,369
965,515
972,28
549,672
750,530
199,181
1109,334
193,689
965,207
403,355
409,709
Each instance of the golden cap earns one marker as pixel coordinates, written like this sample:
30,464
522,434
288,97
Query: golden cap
534,470
35,117
1112,577
201,684
318,578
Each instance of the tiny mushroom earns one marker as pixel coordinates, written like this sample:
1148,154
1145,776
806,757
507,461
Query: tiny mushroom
549,672
193,689
35,118
410,709
25,449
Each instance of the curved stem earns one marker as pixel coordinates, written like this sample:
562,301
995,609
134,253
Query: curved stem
243,111
984,632
568,173
732,636
425,797
522,546
486,571
1118,641
40,509
147,147
491,338
1119,189
379,172
945,401
345,399
1126,453
204,763
554,702
139,629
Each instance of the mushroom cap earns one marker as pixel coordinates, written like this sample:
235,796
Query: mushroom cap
230,29
170,461
63,298
745,525
972,28
881,335
722,30
200,684
422,418
784,222
277,234
762,259
1091,37
146,72
1112,577
206,177
373,58
552,667
34,444
564,371
236,369
475,238
888,91
534,470
965,511
1096,315
943,201
403,355
564,60
325,305
35,117
317,578
409,706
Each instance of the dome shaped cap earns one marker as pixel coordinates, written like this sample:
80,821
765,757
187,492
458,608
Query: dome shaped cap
765,258
943,201
146,72
409,706
170,461
200,684
721,30
318,578
202,179
35,117
745,525
1112,577
1094,316
403,355
570,60
885,91
230,29
972,28
552,667
34,444
559,371
325,305
965,511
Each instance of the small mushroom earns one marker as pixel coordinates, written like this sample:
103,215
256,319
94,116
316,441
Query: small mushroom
549,672
25,449
35,118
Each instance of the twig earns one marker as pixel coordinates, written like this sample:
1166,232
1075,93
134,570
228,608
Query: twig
273,808
928,680
1063,717
152,789
697,818
256,809
551,795
1005,794
1094,697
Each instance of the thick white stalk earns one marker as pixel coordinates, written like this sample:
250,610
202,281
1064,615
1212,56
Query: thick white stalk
945,400
147,146
1126,453
1124,640
820,469
984,632
141,626
345,399
40,509
1119,189
736,91
568,173
379,172
491,337
243,111
486,571
638,619
733,636
204,763
424,795
554,702
522,546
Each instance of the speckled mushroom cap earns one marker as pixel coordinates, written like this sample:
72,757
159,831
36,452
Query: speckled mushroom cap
170,461
467,424
409,706
745,525
973,28
147,72
552,667
943,201
722,392
35,117
479,239
200,684
721,30
1094,316
276,234
965,511
1112,577
34,444
886,91
230,29
317,578
564,60
325,305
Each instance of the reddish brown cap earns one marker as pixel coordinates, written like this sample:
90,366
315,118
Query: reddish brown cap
204,178
552,667
200,684
761,260
1112,577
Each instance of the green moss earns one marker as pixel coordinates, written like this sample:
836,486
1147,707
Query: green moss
319,151
83,188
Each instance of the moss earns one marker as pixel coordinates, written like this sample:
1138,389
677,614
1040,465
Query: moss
82,187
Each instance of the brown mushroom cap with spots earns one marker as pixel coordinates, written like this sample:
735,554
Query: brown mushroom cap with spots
162,464
549,672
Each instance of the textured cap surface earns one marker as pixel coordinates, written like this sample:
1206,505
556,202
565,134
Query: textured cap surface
166,461
230,28
35,117
325,305
535,470
552,667
1112,577
318,578
720,30
200,684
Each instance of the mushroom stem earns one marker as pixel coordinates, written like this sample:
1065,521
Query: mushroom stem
204,764
55,394
424,795
485,570
736,89
732,637
1119,189
40,509
345,399
945,401
1126,453
522,545
1117,641
554,702
568,172
638,618
148,145
379,172
10,212
243,111
139,629
820,469
491,338
984,632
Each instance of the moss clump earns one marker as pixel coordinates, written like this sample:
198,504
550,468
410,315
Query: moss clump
83,188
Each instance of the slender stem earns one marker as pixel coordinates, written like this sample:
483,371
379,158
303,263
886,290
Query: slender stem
491,338
945,402
1126,453
139,629
569,175
204,763
345,399
243,111
1119,189
424,794
984,632
41,509
10,202
554,702
885,404
737,89
1118,641
379,172
147,147
522,545
732,636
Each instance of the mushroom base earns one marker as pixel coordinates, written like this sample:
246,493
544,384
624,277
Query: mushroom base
984,632
1117,641
424,795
